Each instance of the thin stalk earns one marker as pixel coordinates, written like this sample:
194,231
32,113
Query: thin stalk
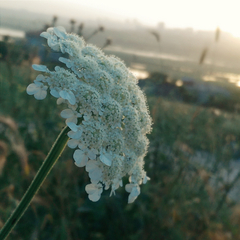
46,167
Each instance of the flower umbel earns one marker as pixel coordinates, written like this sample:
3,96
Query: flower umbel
105,110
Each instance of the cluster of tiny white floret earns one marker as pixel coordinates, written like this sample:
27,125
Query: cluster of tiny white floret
105,110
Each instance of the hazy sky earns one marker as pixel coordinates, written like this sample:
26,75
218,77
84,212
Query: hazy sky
199,14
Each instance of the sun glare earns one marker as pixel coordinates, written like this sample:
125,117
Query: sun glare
199,15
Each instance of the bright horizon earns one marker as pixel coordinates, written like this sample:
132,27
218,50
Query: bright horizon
199,15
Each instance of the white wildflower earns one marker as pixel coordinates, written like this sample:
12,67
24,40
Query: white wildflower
38,89
81,156
94,171
106,158
105,110
70,115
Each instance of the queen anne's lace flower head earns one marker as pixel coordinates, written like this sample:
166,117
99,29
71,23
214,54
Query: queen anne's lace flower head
105,110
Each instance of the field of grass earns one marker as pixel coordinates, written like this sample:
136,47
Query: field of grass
185,199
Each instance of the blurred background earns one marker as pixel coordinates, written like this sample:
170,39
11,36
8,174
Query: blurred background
186,55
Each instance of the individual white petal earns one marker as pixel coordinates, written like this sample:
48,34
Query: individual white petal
55,47
82,146
66,61
96,174
72,119
72,143
121,183
78,154
73,126
134,194
45,35
63,94
61,28
57,68
128,187
71,133
100,188
78,115
94,197
37,83
32,89
95,151
132,179
91,166
73,107
91,188
105,160
67,113
145,179
71,98
40,78
60,32
91,155
75,135
83,162
95,181
112,192
60,101
63,60
80,158
54,93
78,134
52,43
41,94
40,68
50,30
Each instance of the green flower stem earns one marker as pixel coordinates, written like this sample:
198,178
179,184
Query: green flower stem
46,167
